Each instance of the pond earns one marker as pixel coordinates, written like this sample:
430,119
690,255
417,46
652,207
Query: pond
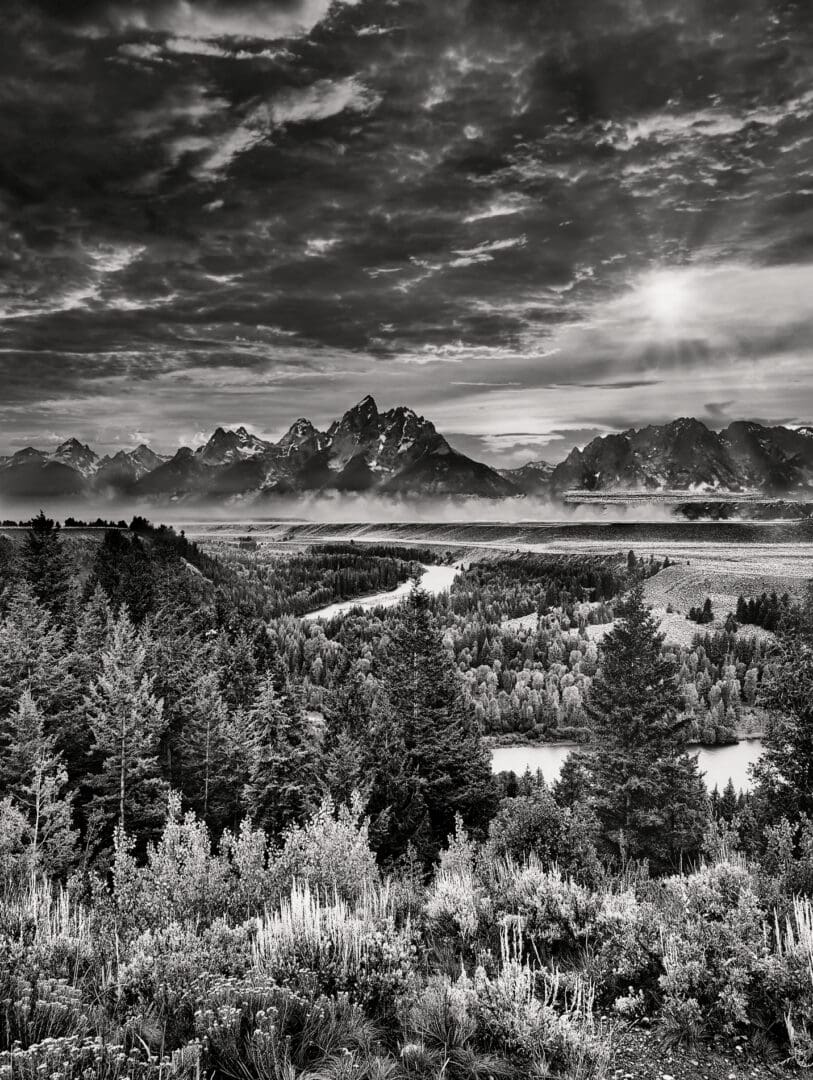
719,763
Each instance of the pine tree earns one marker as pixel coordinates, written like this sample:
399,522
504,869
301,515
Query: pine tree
205,761
442,743
645,787
783,776
728,802
33,655
124,570
348,720
44,563
238,669
33,775
126,720
282,786
91,636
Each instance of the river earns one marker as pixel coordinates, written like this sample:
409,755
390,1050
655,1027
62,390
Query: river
719,763
434,580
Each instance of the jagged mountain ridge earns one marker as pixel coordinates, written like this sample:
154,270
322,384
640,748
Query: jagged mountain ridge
530,479
685,455
399,453
395,452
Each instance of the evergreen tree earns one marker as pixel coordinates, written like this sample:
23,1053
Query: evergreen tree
44,563
646,789
124,570
783,776
363,754
9,564
207,768
33,775
728,802
430,718
348,717
91,635
282,785
126,721
238,669
33,656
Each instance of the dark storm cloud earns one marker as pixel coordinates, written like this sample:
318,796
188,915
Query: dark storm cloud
382,194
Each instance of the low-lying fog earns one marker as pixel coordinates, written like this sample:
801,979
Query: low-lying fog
365,509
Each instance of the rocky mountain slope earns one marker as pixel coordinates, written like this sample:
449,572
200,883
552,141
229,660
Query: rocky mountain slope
398,453
395,452
686,456
530,479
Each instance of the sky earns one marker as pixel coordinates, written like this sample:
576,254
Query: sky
532,221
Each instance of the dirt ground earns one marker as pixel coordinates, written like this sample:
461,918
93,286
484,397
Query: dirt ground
641,1054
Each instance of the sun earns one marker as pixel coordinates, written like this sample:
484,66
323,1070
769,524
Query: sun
666,296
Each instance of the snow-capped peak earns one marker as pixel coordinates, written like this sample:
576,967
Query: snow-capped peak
77,456
225,447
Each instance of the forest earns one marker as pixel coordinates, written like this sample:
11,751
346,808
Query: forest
234,844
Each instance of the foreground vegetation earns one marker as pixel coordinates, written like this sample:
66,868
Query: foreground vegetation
200,878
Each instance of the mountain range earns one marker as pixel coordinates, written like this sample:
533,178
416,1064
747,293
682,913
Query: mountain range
400,453
686,456
395,452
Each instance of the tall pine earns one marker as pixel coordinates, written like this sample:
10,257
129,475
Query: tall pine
364,753
44,563
282,785
33,776
127,722
205,759
430,719
645,786
783,776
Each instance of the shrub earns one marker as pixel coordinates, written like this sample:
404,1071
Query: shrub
713,948
332,948
183,880
331,852
168,969
788,980
535,825
263,1030
519,1014
552,913
456,907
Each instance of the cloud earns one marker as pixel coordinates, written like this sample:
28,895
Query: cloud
514,218
321,100
314,103
203,19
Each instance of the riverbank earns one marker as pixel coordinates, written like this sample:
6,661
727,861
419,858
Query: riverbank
434,579
518,738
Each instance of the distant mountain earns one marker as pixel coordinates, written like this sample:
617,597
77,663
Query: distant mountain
118,474
76,456
398,453
686,456
530,479
392,453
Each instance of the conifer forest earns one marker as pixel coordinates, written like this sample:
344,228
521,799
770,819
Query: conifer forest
239,843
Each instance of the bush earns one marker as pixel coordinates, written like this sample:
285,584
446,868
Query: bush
262,1030
519,1014
553,914
714,949
331,948
788,981
331,852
